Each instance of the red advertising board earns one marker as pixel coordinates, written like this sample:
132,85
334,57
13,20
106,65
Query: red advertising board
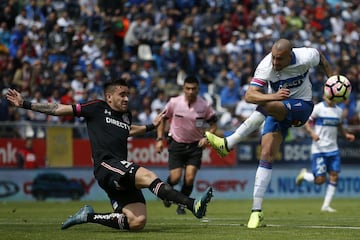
141,151
9,147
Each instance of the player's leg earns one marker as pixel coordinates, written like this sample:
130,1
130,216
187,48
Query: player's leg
130,217
173,179
224,145
251,124
330,192
117,179
148,179
270,145
305,175
273,133
333,168
175,165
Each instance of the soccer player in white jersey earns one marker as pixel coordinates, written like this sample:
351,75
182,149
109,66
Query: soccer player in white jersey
289,103
323,126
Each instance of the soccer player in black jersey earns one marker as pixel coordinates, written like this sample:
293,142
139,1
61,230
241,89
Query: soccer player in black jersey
109,126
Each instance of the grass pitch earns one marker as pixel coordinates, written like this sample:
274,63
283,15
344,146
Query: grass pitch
226,219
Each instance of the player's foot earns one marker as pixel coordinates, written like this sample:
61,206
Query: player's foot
327,209
78,218
180,210
166,203
218,143
256,220
200,203
300,176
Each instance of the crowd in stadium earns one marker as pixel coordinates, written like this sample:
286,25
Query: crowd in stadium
64,51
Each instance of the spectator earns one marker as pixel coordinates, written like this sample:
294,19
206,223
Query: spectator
47,8
26,156
58,44
91,49
229,95
91,15
36,117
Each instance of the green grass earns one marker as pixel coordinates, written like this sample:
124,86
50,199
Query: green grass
286,219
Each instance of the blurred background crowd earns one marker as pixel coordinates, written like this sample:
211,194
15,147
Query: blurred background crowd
64,50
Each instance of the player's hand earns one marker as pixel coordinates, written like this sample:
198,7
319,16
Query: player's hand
157,120
315,137
350,137
14,97
281,94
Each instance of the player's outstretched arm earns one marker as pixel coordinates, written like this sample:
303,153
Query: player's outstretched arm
15,98
325,66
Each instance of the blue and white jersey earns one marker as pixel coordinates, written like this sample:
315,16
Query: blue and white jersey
326,120
294,77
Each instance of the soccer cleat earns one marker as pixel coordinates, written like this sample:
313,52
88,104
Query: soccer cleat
166,203
300,176
200,204
327,209
78,218
180,210
256,220
218,143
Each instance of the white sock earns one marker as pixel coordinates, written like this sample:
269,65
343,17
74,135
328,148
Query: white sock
330,191
309,177
252,123
262,180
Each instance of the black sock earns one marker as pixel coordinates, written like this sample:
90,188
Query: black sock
187,189
113,220
164,191
169,181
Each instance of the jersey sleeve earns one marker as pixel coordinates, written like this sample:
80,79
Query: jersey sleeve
262,73
86,109
313,56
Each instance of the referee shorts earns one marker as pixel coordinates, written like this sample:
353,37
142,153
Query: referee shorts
183,154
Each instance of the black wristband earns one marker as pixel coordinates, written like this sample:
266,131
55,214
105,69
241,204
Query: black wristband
159,139
26,105
150,127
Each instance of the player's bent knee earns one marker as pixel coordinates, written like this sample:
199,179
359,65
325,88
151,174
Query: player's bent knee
320,180
137,223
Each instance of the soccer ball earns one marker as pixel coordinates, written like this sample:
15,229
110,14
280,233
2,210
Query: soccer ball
337,88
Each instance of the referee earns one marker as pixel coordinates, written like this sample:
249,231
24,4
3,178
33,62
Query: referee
188,116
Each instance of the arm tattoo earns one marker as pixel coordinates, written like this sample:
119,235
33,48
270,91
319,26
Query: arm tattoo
47,108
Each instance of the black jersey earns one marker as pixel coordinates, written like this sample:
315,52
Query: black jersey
108,130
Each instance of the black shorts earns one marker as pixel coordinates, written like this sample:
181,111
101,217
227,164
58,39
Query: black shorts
183,154
117,178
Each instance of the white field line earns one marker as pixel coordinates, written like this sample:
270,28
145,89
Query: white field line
210,222
206,221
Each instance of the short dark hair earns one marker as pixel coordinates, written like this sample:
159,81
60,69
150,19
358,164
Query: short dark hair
108,86
191,79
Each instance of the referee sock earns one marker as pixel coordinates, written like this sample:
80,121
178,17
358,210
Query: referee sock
164,191
168,180
187,189
113,220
